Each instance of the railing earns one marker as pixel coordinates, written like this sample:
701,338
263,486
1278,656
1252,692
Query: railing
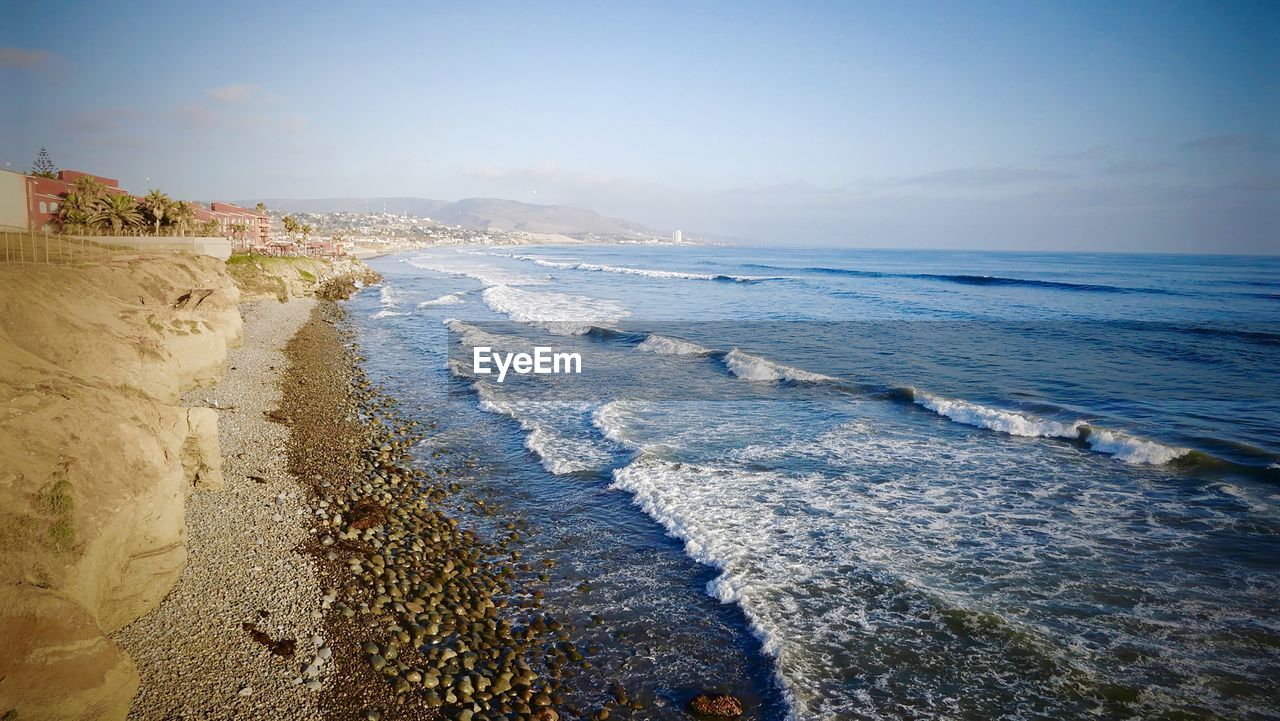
39,247
32,246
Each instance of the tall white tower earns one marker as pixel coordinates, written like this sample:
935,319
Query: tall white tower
677,237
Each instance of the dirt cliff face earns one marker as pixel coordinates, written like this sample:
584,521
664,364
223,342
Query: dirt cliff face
96,460
282,278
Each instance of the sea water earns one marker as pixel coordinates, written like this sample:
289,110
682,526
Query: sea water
871,484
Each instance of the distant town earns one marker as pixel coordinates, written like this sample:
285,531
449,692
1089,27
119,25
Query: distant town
86,205
387,232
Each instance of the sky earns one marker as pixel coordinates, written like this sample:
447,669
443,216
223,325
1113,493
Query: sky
1144,126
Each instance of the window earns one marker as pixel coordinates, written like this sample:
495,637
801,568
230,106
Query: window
53,207
44,207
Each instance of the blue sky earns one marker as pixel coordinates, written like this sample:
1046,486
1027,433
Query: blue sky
1134,126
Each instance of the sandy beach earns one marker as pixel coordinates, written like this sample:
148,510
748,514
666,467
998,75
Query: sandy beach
196,653
322,581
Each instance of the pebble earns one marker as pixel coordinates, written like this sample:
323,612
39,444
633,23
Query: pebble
426,599
188,646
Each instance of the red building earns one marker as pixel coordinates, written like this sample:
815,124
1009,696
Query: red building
257,226
45,195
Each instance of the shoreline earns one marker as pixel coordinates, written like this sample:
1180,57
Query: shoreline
602,587
323,570
410,596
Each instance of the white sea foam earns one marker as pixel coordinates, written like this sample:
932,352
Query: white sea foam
843,570
755,368
464,251
557,312
663,345
613,421
1132,450
1122,446
710,510
471,336
840,446
559,453
486,273
390,296
450,299
458,368
1015,424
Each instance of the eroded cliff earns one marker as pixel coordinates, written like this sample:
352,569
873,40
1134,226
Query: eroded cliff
97,457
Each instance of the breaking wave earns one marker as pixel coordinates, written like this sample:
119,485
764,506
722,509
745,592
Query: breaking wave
471,336
559,453
450,299
488,275
754,368
1124,447
742,523
559,313
389,296
663,345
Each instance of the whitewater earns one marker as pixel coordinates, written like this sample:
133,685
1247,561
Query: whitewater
849,484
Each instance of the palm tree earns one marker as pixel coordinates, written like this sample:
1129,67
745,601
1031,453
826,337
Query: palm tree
120,211
76,211
81,203
89,188
181,215
260,207
155,206
74,215
291,226
209,228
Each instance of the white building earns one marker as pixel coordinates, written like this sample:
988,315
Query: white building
677,237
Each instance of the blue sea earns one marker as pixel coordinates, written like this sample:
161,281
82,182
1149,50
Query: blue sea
868,484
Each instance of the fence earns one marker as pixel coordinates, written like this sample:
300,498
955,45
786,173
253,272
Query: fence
32,246
29,246
26,246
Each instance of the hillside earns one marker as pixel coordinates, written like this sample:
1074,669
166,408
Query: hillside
479,213
421,207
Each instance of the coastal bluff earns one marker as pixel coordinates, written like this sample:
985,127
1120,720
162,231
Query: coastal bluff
98,454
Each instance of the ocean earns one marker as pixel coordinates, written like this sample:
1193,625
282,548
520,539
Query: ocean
868,484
